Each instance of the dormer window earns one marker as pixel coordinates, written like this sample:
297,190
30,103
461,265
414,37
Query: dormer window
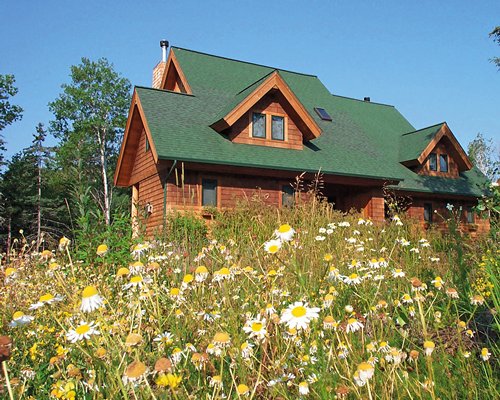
259,125
277,127
268,126
443,162
433,162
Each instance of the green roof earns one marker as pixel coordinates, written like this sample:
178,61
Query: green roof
364,139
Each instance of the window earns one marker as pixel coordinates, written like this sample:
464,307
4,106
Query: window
147,145
287,196
259,125
470,215
428,212
443,163
209,192
322,114
277,128
433,162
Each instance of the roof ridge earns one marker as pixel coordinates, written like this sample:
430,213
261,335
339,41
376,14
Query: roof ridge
421,129
243,62
258,80
362,101
163,90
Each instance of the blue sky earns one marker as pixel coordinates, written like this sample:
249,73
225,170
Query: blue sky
428,58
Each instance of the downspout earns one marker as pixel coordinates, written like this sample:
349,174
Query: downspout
165,193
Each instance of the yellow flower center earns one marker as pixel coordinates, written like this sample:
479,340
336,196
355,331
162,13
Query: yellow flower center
174,291
46,297
201,270
364,366
428,344
273,248
17,315
82,329
351,321
89,291
353,276
242,389
224,271
299,311
123,271
136,279
9,271
221,337
284,228
188,278
256,326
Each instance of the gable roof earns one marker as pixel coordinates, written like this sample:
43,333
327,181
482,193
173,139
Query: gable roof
364,139
416,146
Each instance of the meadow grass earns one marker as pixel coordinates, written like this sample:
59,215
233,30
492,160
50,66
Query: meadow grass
272,304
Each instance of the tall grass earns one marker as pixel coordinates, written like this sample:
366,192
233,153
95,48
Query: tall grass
377,299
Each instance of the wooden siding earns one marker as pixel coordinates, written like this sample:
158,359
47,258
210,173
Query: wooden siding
273,103
144,165
443,147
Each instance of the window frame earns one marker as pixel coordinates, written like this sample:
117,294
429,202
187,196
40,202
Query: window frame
252,132
470,216
268,125
216,191
428,210
433,156
444,156
284,195
273,116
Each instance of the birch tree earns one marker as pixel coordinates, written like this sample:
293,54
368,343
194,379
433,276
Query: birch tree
90,116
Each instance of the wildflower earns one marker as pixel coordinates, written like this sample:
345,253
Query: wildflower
319,238
284,233
20,319
246,350
222,274
353,325
90,299
328,300
328,257
438,282
329,323
168,380
46,299
449,207
10,273
242,389
201,273
83,331
176,355
352,279
298,315
122,272
199,360
397,220
139,248
102,249
304,388
384,347
452,293
363,373
137,282
215,380
188,278
417,285
485,354
428,347
272,246
165,338
477,300
406,299
134,372
256,328
64,243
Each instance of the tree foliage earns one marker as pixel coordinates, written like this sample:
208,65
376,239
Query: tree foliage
89,119
8,112
495,34
484,156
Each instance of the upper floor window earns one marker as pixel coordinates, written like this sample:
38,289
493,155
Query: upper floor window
433,162
443,163
258,125
268,126
277,127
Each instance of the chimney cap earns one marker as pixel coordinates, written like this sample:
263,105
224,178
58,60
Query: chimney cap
163,43
366,99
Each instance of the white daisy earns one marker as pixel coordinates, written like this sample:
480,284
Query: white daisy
298,315
20,319
284,233
363,373
83,331
272,246
90,299
46,299
353,325
256,328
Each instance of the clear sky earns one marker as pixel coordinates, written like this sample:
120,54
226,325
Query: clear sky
428,58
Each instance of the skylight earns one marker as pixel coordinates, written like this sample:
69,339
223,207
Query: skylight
322,114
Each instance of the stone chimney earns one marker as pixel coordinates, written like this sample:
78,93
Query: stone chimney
159,70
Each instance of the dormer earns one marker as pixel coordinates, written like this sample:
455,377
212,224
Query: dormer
267,113
434,151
